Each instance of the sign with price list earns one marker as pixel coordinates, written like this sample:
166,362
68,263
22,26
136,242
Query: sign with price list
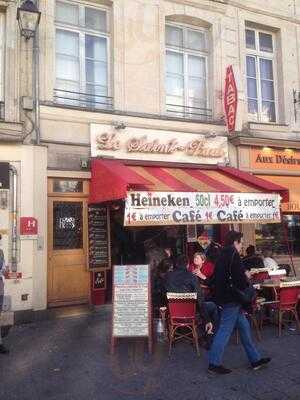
188,208
131,315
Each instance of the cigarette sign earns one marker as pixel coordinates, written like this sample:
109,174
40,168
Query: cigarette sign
230,99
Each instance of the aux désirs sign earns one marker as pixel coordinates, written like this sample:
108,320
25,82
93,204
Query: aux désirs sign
277,159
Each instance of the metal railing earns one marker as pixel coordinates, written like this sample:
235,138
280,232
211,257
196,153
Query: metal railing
1,109
187,112
83,100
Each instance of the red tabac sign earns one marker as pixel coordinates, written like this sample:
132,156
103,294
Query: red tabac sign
28,226
230,99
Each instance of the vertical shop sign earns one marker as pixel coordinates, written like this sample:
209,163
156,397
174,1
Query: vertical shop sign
230,99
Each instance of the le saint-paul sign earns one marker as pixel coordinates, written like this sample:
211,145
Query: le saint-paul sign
157,145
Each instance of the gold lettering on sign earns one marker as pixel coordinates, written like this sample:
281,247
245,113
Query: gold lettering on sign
140,145
194,148
197,148
107,141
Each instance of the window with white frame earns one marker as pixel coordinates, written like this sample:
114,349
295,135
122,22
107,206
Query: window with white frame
82,55
2,51
186,72
260,73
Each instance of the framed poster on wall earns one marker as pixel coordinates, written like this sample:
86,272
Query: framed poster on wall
99,280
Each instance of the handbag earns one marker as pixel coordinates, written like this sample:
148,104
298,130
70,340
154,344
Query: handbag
244,296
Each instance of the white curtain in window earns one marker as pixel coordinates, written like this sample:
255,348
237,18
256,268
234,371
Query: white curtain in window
175,86
96,48
96,65
174,63
67,55
175,77
265,42
196,40
67,13
186,74
197,66
174,36
95,19
197,81
267,89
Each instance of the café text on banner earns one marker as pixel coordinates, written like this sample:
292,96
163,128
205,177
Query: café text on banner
188,208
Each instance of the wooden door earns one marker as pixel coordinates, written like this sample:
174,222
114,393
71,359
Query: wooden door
68,278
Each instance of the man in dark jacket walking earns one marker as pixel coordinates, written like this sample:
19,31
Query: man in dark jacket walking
232,314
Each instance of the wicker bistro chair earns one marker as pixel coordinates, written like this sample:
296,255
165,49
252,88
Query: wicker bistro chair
288,301
182,322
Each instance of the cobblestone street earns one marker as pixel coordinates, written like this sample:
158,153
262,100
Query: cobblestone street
68,359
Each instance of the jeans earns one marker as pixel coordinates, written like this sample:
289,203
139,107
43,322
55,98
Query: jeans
231,317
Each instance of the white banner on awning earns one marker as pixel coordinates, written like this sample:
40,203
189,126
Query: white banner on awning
188,208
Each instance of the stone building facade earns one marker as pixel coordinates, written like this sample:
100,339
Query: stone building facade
135,65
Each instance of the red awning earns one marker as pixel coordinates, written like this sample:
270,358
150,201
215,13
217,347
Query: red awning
112,179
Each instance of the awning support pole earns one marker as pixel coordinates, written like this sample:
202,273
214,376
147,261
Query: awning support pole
285,232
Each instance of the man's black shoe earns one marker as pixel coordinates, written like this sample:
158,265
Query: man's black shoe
3,350
218,369
260,363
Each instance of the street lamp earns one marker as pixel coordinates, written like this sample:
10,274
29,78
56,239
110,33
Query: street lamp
28,17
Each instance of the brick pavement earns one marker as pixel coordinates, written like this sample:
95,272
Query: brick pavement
68,359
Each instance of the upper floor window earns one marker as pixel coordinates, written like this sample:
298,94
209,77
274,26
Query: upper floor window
260,75
2,50
187,72
82,55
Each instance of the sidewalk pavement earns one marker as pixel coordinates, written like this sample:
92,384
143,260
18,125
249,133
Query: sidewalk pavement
68,359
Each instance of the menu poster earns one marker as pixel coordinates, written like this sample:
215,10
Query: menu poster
131,303
99,237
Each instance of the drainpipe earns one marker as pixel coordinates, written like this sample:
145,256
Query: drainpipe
14,230
36,86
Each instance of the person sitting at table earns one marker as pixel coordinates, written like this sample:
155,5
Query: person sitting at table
180,280
252,260
201,266
269,262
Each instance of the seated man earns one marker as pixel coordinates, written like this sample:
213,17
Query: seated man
252,260
269,262
180,280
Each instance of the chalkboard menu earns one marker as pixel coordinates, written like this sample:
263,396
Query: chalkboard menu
131,303
99,237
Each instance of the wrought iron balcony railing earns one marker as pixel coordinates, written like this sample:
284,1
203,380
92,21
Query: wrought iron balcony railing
187,112
83,100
